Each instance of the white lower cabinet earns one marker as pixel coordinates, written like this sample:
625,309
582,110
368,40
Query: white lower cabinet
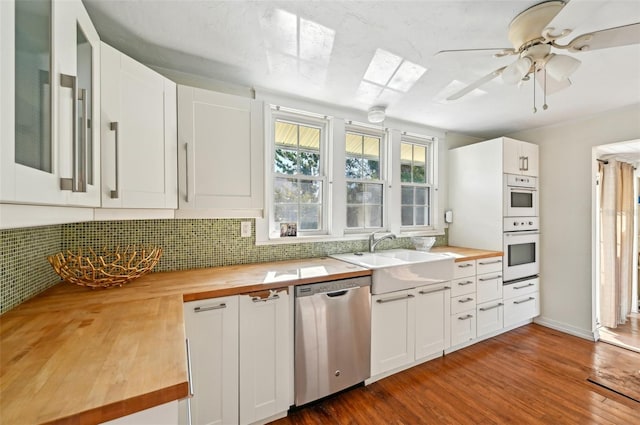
164,414
264,355
212,330
432,313
521,301
463,327
489,317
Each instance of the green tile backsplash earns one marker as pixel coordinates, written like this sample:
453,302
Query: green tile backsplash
186,244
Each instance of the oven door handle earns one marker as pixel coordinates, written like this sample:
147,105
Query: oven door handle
521,189
522,233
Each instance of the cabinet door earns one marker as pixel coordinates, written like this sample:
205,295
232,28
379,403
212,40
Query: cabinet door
489,287
264,355
489,317
463,327
164,414
220,152
521,309
212,329
392,331
432,321
529,152
512,161
138,125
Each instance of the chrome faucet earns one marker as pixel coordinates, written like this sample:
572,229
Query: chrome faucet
373,241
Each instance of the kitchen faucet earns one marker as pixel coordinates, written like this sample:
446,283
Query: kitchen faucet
373,241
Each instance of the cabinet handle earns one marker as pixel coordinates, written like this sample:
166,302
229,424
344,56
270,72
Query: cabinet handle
466,300
83,165
114,127
189,373
72,184
524,301
461,266
526,163
484,279
444,288
491,308
465,283
484,263
186,169
521,163
524,286
210,307
388,300
264,300
467,317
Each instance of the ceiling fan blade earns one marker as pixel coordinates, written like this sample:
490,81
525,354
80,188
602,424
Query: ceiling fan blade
611,37
552,85
572,14
471,87
500,51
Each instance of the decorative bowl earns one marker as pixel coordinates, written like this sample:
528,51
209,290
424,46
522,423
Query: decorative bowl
107,268
423,243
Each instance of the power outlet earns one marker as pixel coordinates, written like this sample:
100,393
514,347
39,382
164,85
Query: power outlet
245,229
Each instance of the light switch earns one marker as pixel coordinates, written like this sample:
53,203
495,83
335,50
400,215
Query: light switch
245,229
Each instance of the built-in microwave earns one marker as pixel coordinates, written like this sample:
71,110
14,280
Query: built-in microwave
520,196
521,248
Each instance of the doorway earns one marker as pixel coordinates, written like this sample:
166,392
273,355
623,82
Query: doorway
616,236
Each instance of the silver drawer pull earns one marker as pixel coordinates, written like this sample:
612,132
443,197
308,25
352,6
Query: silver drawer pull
491,308
466,300
210,307
115,193
444,288
466,282
269,298
524,301
388,300
465,265
189,373
484,263
484,279
524,286
468,316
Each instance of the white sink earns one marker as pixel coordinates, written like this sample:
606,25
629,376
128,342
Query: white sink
398,269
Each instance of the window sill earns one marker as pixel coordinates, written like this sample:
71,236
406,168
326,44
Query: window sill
345,238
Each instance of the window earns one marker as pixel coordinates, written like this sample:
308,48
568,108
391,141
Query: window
365,185
416,181
298,174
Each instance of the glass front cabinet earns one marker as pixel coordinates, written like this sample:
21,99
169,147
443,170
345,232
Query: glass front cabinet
50,103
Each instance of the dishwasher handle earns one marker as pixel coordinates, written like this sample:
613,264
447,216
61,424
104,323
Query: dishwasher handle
337,293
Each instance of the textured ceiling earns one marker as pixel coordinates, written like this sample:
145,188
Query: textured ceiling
323,50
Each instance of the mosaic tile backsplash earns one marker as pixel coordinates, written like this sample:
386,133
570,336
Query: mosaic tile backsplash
186,244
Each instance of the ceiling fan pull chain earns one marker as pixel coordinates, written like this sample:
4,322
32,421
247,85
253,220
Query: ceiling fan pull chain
533,83
545,106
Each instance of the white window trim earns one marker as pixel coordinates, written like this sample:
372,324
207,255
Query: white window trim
430,143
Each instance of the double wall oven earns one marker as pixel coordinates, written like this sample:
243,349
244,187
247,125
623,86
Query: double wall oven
521,239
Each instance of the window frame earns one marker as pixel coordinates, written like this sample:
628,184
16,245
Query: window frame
430,144
297,117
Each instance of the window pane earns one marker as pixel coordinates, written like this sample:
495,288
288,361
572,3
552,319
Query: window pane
355,216
405,173
419,155
421,196
419,174
420,216
406,152
354,193
285,161
309,163
353,144
373,216
310,217
407,216
310,192
374,194
370,169
407,195
353,169
309,138
286,213
285,191
286,134
371,147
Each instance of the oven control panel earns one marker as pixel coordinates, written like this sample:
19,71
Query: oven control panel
517,224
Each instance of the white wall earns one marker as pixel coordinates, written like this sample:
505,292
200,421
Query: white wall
566,212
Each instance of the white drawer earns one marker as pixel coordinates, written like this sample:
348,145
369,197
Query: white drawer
489,265
464,269
463,303
463,327
489,287
520,288
466,285
520,309
489,317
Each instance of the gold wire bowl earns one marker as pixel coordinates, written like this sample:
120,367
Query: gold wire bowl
106,269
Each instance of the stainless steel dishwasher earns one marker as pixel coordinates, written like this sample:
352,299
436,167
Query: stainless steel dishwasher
332,337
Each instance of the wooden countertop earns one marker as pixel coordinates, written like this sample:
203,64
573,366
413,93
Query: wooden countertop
74,355
466,254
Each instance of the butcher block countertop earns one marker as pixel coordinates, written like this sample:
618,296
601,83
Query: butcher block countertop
466,254
81,356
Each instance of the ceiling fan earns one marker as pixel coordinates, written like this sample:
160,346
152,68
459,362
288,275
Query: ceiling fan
534,35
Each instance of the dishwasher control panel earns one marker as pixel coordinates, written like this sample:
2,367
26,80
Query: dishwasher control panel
337,285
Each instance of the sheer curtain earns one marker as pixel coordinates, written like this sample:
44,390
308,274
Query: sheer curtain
616,241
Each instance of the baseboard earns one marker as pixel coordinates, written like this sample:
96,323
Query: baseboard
563,327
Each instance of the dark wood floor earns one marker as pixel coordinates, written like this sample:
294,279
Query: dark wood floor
531,375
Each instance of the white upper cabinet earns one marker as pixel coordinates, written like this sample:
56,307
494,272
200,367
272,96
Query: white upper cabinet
520,157
139,135
220,154
50,141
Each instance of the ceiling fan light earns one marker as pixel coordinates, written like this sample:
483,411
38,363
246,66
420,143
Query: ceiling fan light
560,67
376,114
516,71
